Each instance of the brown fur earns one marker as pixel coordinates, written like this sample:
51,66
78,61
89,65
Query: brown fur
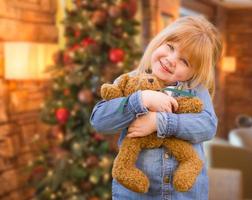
124,169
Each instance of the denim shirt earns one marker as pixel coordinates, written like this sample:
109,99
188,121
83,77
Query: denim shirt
157,163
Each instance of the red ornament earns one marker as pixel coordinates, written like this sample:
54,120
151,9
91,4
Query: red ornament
86,186
92,161
130,7
66,92
77,33
98,137
94,198
37,174
87,42
75,47
58,153
114,11
67,58
116,55
86,96
99,17
62,115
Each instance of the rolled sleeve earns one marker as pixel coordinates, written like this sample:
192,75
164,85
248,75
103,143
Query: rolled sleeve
167,124
135,104
193,127
117,114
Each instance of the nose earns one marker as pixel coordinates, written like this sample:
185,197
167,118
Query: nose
170,61
150,80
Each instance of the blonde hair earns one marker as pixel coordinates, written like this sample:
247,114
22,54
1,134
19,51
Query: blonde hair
198,39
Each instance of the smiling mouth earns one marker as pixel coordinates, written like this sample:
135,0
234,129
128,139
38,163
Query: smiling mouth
164,67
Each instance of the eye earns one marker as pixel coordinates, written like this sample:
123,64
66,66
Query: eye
185,62
148,71
170,46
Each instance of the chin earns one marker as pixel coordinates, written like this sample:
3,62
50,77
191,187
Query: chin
160,75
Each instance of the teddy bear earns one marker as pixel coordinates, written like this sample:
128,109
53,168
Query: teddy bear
124,169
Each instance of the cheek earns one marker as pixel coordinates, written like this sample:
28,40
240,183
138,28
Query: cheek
154,57
184,74
159,52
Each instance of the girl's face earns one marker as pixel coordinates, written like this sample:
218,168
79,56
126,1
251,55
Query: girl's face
169,65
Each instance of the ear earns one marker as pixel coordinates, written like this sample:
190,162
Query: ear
123,81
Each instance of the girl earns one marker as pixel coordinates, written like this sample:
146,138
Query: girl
183,55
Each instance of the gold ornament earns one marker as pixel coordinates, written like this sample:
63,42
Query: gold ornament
35,138
76,146
105,162
106,195
53,196
93,179
91,69
41,158
56,86
104,5
106,177
74,189
119,64
60,103
74,198
59,193
84,164
90,24
79,25
118,21
50,173
125,35
73,113
42,105
30,163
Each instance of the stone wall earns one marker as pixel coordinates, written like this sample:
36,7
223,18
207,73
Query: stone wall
21,20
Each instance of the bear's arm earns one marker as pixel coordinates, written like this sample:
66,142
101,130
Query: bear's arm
193,127
108,118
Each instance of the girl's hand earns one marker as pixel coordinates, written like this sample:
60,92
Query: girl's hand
158,101
143,125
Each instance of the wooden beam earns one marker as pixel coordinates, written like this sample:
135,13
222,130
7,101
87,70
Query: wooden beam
201,7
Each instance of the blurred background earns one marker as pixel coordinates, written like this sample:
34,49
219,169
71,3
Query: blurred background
55,54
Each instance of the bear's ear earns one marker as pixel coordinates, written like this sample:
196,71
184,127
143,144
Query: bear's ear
123,81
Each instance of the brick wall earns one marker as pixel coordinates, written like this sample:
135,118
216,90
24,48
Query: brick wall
21,20
238,92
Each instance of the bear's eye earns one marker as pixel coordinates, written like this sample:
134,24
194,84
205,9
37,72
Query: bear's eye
148,71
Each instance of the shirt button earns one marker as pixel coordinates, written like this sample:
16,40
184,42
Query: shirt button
166,179
166,155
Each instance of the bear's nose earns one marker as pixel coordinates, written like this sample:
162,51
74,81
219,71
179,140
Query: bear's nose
151,80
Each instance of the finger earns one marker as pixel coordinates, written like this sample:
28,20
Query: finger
130,129
133,129
168,109
134,134
131,135
174,103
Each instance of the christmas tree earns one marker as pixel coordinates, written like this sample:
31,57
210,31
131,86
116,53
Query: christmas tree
76,163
